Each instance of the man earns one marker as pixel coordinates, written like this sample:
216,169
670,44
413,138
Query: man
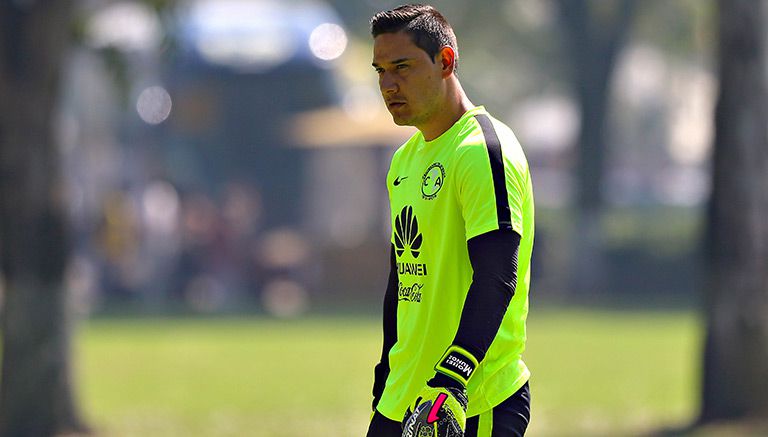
462,218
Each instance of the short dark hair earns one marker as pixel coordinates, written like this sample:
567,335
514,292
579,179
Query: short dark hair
427,27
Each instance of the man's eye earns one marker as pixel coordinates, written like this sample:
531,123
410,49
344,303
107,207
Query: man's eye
401,66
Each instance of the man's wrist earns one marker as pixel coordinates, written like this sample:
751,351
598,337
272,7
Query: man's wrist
442,380
457,364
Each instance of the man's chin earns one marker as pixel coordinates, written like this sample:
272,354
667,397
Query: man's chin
400,121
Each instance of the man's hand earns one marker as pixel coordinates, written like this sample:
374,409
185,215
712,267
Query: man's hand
440,409
437,412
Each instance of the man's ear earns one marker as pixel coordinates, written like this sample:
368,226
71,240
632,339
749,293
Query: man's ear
447,59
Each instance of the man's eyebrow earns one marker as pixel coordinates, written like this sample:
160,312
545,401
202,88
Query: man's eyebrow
396,61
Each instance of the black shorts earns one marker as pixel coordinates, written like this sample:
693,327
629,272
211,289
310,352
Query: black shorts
508,419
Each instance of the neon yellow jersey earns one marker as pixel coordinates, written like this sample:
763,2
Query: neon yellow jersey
442,193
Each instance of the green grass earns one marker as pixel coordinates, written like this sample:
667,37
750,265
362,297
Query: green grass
612,373
595,373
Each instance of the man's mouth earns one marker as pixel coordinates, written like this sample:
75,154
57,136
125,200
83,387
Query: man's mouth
395,105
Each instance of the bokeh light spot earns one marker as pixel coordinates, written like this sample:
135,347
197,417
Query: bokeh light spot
154,105
328,41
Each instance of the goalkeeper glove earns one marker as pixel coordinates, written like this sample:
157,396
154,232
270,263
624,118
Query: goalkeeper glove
440,409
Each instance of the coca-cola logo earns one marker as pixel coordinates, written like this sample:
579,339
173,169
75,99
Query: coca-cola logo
409,293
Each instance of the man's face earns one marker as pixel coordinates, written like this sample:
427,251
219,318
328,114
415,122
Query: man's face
410,83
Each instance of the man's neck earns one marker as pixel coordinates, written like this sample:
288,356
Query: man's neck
456,106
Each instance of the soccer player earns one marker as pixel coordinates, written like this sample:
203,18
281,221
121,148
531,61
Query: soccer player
462,218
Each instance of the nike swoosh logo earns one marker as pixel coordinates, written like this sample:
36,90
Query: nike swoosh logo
399,179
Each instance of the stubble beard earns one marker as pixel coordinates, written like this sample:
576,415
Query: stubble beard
411,119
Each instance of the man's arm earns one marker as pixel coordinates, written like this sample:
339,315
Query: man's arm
494,261
381,371
443,403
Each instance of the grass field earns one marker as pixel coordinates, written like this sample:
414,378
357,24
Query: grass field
595,372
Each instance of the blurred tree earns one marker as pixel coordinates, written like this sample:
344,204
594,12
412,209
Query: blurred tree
593,34
36,394
735,374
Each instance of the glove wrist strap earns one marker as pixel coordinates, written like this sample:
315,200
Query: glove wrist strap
457,363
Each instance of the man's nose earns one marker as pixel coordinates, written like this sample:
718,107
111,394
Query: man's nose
387,84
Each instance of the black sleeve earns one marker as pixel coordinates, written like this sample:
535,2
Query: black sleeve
381,371
494,261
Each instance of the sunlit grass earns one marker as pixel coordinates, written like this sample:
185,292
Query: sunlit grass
609,373
595,372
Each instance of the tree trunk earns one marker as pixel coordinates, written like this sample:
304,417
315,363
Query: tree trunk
735,377
592,41
36,395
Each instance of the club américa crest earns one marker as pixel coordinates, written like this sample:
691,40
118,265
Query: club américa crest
432,181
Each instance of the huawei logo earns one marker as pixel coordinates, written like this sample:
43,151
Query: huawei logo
407,232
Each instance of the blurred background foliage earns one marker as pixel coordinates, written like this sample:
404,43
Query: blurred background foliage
210,155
